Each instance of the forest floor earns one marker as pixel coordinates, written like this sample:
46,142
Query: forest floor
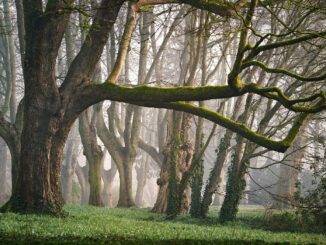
91,225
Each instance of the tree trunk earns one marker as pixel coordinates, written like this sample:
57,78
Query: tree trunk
214,177
288,174
161,200
196,187
82,175
252,186
222,153
197,180
95,182
174,159
3,171
69,165
37,188
66,179
94,156
141,181
41,155
125,192
108,177
236,183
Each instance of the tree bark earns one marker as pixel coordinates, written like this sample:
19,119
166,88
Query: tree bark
108,178
69,165
141,181
94,156
288,173
162,182
82,175
125,192
235,184
3,172
222,153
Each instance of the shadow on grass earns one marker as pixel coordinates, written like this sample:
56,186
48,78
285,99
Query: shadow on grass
117,240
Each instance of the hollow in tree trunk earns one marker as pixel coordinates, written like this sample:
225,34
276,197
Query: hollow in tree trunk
162,182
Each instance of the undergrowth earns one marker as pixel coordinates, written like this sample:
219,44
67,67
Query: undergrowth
91,225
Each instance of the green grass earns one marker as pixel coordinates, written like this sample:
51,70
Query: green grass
90,225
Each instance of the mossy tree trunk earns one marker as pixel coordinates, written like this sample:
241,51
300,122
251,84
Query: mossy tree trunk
197,179
214,177
196,187
236,182
173,161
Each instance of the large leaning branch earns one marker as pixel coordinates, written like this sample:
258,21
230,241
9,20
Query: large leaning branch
219,7
241,129
160,98
93,94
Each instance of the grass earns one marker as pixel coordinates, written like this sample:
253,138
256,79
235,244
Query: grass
90,225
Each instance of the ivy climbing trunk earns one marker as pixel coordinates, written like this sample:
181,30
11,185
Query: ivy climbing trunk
173,205
198,175
221,156
235,184
214,177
